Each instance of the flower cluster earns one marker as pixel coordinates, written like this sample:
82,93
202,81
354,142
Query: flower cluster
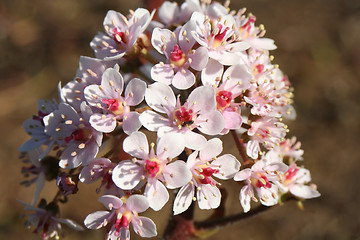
198,73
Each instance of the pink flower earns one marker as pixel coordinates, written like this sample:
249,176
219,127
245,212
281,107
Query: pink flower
177,48
266,131
122,33
154,168
261,178
122,212
199,112
203,168
112,106
73,131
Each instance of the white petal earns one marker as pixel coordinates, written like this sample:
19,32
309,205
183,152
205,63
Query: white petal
229,166
243,175
127,175
135,92
186,41
137,203
184,199
199,59
233,120
157,195
160,97
253,149
112,82
70,223
170,145
211,74
131,122
177,174
245,198
144,227
208,197
194,140
103,123
96,220
153,121
303,191
158,37
110,201
211,149
183,79
212,123
136,145
202,99
163,73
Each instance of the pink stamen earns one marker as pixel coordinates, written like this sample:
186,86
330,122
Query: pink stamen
152,167
223,99
184,116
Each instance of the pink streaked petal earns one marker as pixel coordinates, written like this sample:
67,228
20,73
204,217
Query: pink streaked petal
228,166
170,145
177,174
208,197
184,199
103,123
135,92
127,175
211,149
144,227
202,99
137,145
157,195
153,121
212,73
160,97
303,191
163,73
110,202
183,79
137,203
212,123
243,175
194,140
233,120
245,198
97,219
199,59
131,122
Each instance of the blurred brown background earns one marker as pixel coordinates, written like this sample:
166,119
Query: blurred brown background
318,47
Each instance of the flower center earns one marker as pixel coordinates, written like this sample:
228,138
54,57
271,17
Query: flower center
184,117
115,105
79,135
219,36
206,175
260,181
119,37
177,57
122,222
259,68
290,174
153,167
223,99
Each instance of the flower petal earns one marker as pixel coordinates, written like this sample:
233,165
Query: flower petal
228,166
127,175
177,174
135,92
96,220
157,195
211,149
183,79
184,199
137,203
208,196
136,145
144,227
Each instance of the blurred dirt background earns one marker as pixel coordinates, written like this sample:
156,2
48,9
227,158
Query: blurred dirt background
318,47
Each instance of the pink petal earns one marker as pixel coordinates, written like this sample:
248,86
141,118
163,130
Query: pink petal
186,41
233,120
158,35
211,74
211,149
194,140
228,166
127,175
183,79
243,175
137,203
157,195
212,123
238,76
136,145
253,149
177,174
245,198
184,199
135,92
153,121
202,99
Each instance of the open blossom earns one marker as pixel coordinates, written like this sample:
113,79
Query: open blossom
261,177
121,33
266,131
122,212
154,168
107,98
177,48
219,38
204,165
73,132
45,219
294,180
198,112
